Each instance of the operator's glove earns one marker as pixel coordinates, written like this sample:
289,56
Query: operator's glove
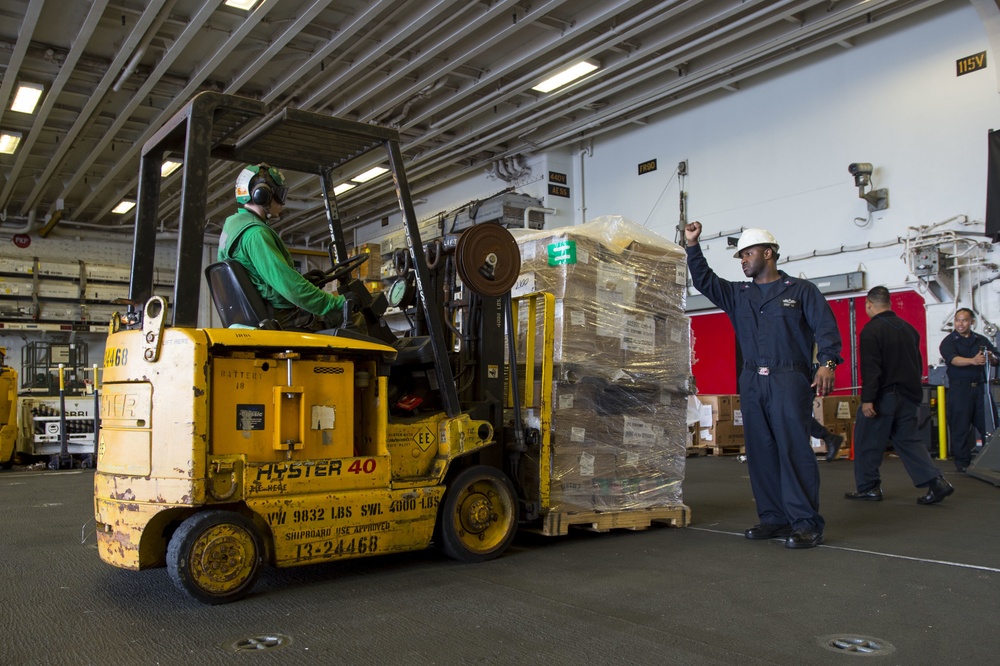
315,276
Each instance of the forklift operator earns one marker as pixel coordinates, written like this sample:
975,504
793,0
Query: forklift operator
293,301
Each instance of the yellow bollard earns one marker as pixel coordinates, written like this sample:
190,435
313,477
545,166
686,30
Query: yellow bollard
942,426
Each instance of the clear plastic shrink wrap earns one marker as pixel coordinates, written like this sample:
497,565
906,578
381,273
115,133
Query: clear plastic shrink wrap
622,364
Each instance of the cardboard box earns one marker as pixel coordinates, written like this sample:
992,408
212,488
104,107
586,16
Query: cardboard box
371,270
571,464
723,406
833,409
725,433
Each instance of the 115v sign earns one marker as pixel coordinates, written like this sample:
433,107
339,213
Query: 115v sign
970,64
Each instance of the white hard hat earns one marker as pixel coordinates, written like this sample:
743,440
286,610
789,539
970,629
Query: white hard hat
753,237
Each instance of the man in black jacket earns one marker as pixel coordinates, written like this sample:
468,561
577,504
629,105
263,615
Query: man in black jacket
890,394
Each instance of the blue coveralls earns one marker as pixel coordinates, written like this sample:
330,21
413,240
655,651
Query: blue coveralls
776,335
966,399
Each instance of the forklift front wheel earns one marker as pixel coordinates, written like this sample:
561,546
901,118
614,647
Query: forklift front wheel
215,556
479,515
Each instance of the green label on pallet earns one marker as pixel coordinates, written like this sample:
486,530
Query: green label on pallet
563,252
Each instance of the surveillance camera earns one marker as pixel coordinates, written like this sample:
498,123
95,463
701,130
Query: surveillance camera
860,169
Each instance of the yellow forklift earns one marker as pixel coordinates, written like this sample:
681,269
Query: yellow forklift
225,449
8,411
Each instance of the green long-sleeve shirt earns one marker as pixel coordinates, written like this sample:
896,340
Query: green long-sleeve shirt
250,241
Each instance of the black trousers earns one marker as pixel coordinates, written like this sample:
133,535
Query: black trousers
896,420
965,407
818,430
297,319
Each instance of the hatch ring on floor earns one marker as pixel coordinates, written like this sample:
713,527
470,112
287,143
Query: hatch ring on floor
857,645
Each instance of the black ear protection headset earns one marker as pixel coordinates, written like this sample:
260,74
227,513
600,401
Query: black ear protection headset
262,192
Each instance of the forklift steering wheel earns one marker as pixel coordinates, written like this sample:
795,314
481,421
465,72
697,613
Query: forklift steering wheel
341,270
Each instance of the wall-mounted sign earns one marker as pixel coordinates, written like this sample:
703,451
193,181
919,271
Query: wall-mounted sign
21,240
970,63
556,177
647,166
558,190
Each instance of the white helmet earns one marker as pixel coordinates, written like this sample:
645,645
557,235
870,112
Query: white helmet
751,237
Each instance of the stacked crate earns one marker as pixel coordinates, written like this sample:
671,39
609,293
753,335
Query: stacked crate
369,272
721,424
837,413
622,364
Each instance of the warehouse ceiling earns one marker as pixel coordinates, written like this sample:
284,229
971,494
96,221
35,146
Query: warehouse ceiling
454,77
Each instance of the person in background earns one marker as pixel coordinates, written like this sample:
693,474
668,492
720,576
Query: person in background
295,302
966,354
891,391
833,442
777,320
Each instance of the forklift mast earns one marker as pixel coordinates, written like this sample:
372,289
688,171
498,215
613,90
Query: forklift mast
216,126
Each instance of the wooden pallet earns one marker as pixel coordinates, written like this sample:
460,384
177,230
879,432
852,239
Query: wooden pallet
558,523
695,451
725,450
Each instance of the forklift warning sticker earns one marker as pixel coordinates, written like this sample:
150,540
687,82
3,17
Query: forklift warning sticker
249,417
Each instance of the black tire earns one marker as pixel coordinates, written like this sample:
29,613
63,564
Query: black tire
7,464
479,515
215,556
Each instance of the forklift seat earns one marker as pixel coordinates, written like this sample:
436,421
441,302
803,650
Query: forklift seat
235,297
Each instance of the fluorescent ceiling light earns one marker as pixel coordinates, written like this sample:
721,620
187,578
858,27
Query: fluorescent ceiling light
9,141
27,97
124,207
374,172
241,4
169,167
571,73
343,187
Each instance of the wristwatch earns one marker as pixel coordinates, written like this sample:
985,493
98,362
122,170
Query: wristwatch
831,364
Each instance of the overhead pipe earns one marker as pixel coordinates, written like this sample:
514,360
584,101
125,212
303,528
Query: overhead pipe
538,209
140,50
423,93
28,227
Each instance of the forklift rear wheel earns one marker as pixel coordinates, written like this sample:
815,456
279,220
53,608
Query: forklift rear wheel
215,556
479,515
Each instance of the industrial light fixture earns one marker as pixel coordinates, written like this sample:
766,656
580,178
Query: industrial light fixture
26,98
343,187
374,172
245,5
123,207
168,168
571,73
9,141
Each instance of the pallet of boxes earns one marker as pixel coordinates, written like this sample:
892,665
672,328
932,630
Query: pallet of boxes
620,377
836,413
720,426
